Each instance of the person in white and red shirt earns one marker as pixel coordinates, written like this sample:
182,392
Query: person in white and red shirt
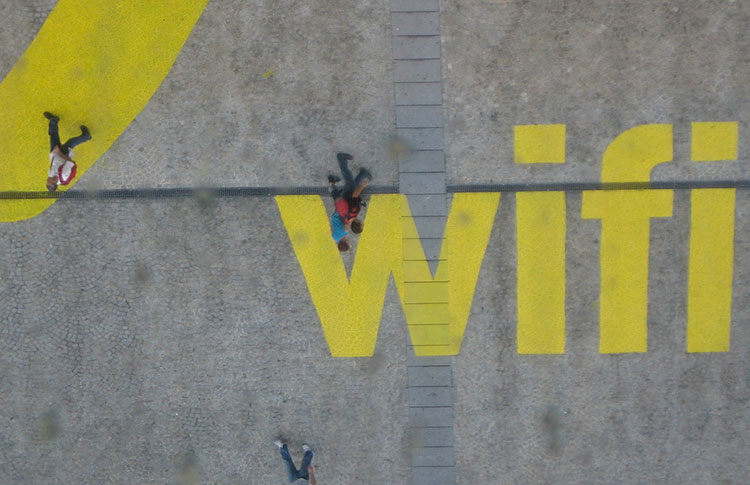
62,168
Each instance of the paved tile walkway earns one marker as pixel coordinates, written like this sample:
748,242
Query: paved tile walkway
419,124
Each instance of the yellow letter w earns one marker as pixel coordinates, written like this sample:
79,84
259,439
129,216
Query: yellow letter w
350,308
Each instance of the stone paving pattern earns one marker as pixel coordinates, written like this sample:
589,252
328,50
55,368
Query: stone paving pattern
178,340
664,416
600,68
166,341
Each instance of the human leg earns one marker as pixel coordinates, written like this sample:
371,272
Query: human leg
343,159
52,131
306,460
335,191
363,174
332,189
77,140
291,470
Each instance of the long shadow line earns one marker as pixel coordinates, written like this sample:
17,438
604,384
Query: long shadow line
184,192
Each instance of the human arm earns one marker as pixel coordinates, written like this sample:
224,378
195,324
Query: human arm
360,188
312,475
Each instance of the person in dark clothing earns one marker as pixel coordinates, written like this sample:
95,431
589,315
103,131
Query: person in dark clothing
347,200
305,471
62,168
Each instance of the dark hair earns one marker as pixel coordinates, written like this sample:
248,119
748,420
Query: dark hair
343,245
51,187
356,226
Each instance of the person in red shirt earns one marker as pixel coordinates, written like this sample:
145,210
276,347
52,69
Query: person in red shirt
347,199
62,168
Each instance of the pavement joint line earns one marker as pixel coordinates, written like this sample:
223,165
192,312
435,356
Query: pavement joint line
270,191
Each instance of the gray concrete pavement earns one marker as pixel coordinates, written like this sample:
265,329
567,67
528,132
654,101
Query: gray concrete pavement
171,341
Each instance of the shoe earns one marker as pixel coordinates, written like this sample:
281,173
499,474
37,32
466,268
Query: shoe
50,116
333,179
367,174
279,444
345,156
306,448
85,131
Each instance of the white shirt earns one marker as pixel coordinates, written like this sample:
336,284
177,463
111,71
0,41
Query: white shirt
56,162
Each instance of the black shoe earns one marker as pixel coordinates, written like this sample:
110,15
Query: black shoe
85,131
345,156
50,116
366,174
333,179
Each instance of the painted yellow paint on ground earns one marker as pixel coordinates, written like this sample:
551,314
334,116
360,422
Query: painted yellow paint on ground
623,299
713,141
425,299
467,231
540,293
631,156
539,143
93,62
349,308
625,221
709,300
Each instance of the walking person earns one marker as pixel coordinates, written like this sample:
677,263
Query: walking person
347,201
305,471
62,168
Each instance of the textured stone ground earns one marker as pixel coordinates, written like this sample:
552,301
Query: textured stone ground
600,68
162,341
659,417
175,338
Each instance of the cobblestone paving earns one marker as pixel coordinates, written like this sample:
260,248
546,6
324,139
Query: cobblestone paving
147,341
261,94
163,341
600,68
659,417
19,22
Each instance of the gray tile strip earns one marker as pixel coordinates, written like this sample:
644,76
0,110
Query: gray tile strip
415,25
425,205
411,70
422,138
415,5
422,183
431,437
426,376
416,47
423,161
432,457
408,93
423,417
432,475
419,116
430,227
420,23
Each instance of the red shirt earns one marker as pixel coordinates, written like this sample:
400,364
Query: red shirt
346,210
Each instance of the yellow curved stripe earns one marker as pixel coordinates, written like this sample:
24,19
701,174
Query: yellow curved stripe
635,152
93,62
